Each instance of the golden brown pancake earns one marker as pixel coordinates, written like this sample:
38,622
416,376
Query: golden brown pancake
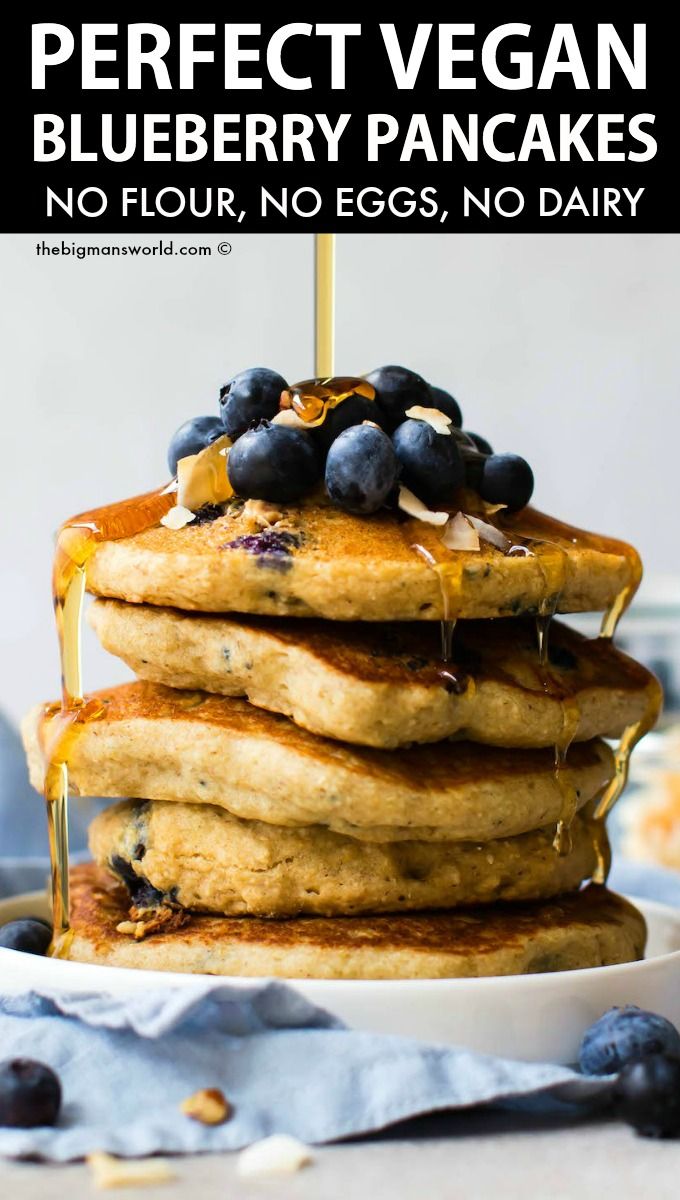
203,858
320,561
156,743
590,928
384,685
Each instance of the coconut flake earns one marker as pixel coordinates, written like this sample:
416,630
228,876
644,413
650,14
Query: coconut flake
490,534
410,504
279,1154
289,419
177,517
202,478
110,1172
460,534
432,416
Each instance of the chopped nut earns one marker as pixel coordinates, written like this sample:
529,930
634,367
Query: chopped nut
202,478
432,416
146,921
177,517
279,1154
261,514
111,1172
128,927
410,504
209,1106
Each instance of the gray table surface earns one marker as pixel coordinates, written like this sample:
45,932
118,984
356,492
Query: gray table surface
471,1156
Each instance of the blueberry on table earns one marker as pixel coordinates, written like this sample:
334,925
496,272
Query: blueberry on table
29,934
361,469
352,411
446,403
647,1096
480,442
273,462
623,1035
431,462
251,396
30,1094
507,479
192,437
396,389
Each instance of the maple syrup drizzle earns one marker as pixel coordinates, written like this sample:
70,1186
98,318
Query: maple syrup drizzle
313,399
454,681
612,616
603,854
554,567
571,716
629,740
77,541
553,563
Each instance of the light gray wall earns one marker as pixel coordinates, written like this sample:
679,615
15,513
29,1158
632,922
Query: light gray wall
563,348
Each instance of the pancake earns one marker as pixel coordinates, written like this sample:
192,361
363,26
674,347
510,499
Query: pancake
201,857
591,928
382,685
156,743
319,561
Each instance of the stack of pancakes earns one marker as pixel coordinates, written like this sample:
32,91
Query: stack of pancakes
308,791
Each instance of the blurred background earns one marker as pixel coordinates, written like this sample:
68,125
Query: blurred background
561,348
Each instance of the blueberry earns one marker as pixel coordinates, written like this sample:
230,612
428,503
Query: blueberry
191,437
507,479
361,469
431,464
30,1094
623,1035
480,442
445,402
273,547
251,396
29,934
647,1096
397,389
473,462
352,411
272,462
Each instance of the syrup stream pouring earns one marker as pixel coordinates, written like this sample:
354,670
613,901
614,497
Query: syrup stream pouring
77,541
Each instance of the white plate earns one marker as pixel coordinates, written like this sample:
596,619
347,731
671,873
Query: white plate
532,1017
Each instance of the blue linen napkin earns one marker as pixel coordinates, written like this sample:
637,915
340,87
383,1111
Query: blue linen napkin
126,1063
286,1066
